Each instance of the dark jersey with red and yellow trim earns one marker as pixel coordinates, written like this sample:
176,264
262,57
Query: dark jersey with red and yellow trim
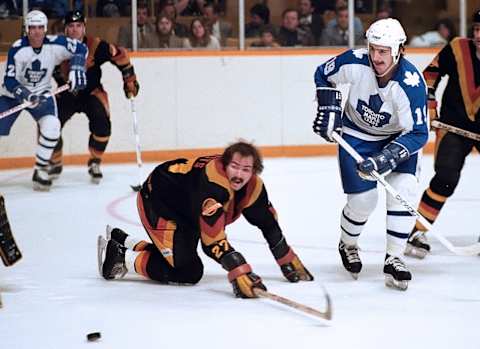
197,193
99,52
461,98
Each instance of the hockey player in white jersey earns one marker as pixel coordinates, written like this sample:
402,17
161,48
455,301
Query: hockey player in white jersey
28,76
384,119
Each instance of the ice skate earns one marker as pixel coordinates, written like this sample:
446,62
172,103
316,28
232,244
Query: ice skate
41,180
396,273
111,259
54,171
115,234
350,259
417,245
94,171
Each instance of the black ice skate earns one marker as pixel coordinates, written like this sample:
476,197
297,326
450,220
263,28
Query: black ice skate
41,180
94,170
350,259
54,171
417,245
116,234
396,273
111,259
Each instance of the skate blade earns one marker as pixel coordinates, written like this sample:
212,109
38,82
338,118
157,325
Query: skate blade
101,247
94,180
108,232
354,276
40,187
395,284
415,252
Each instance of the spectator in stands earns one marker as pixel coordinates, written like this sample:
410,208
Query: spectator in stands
259,16
357,22
444,32
383,11
267,37
200,37
8,9
337,34
112,8
187,7
168,8
310,20
290,33
165,37
57,27
218,27
145,30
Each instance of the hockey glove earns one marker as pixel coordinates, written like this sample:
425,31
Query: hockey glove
329,113
383,162
77,76
130,83
244,281
23,94
290,265
240,275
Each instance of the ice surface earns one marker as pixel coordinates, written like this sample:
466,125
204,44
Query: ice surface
54,296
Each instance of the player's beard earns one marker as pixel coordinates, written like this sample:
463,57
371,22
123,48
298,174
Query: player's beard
237,182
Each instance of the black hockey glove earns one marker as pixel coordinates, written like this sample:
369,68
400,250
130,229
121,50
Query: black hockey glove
383,162
130,83
329,113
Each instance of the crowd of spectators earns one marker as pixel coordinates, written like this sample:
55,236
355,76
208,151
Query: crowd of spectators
310,23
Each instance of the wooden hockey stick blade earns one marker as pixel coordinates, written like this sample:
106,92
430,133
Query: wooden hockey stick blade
470,250
459,131
325,315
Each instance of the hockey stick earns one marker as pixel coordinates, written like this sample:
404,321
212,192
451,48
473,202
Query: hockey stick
469,250
456,130
137,145
325,315
29,104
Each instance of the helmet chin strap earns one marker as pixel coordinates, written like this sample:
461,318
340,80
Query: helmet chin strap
394,63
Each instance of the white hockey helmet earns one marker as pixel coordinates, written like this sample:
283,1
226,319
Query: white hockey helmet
36,17
387,32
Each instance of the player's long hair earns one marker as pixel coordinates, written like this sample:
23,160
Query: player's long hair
244,149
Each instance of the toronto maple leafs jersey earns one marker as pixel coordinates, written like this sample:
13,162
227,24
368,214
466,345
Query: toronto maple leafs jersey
33,68
372,113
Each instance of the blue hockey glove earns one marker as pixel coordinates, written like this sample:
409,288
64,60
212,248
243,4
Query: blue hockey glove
77,76
383,162
329,113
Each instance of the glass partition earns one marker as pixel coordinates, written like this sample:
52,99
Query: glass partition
244,24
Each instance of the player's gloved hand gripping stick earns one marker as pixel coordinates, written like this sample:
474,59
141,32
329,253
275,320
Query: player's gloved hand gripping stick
31,102
469,250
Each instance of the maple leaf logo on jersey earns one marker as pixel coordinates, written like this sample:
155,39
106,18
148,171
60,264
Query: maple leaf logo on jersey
370,112
411,79
36,73
359,53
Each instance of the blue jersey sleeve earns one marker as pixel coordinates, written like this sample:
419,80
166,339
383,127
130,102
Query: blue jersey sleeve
417,137
330,73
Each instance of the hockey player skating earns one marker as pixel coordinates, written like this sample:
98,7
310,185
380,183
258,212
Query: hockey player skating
28,74
460,60
93,100
385,121
187,200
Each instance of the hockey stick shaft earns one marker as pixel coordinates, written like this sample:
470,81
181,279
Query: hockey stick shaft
24,105
459,131
327,315
138,151
470,250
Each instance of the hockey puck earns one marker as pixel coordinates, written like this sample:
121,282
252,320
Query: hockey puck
92,337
